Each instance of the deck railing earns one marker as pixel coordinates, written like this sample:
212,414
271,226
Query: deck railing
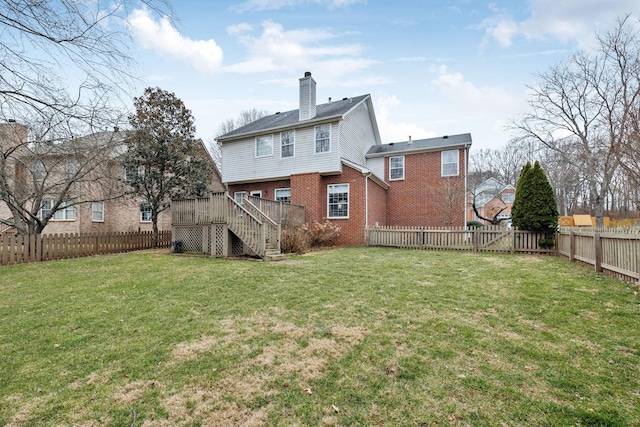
213,209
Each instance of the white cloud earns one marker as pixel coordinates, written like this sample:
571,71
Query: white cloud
481,110
164,38
396,131
493,102
293,51
566,20
258,5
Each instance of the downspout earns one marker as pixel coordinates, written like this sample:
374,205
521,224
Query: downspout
466,156
366,199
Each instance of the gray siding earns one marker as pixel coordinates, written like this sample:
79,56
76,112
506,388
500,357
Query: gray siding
357,134
376,165
240,164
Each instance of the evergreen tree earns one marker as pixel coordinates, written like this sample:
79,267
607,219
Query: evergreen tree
534,207
169,161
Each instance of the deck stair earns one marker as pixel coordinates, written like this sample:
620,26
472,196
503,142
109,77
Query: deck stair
254,223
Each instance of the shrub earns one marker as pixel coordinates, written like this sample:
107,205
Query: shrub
301,239
295,241
322,234
474,224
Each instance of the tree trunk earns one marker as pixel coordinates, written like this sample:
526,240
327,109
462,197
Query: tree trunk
154,221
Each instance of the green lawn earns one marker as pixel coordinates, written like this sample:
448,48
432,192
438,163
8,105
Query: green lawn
360,336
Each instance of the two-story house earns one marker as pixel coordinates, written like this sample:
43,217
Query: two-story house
94,202
491,198
329,158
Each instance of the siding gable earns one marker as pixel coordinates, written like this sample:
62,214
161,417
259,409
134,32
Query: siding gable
357,134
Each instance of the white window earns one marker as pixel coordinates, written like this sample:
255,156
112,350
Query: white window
145,212
283,195
323,144
338,200
72,166
396,168
97,211
286,144
508,197
450,164
256,193
264,146
238,196
64,212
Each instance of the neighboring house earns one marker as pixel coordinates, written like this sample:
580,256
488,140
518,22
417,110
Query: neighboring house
491,197
105,212
330,158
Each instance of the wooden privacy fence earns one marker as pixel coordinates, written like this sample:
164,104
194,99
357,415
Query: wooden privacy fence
17,249
614,250
493,239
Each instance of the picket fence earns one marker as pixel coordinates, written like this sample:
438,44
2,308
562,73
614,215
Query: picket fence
612,250
492,239
18,249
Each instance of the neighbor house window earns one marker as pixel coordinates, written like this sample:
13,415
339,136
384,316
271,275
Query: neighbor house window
450,164
97,211
508,197
338,200
64,212
283,195
38,169
130,173
323,144
72,166
396,168
286,144
264,146
145,212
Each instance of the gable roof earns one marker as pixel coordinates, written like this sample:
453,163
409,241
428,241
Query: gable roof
420,145
290,119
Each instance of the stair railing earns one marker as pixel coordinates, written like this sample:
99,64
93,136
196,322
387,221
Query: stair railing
246,226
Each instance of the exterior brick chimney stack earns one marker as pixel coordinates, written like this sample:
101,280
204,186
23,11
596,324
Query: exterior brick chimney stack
307,97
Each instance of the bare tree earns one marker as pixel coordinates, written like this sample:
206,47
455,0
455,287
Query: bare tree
63,69
244,118
586,102
49,179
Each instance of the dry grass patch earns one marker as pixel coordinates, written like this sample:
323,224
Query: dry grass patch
294,353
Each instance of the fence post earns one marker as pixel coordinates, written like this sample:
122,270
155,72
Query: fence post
572,245
475,238
597,244
512,250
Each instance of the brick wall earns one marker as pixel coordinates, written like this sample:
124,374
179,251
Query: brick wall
267,188
307,191
424,197
377,204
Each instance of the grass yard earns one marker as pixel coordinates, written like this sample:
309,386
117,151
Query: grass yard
358,336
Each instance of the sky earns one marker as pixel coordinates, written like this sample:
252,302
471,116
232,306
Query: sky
432,67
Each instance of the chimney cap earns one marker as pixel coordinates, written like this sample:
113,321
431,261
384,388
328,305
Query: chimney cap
307,73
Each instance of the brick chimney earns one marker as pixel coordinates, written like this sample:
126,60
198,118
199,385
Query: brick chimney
307,97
